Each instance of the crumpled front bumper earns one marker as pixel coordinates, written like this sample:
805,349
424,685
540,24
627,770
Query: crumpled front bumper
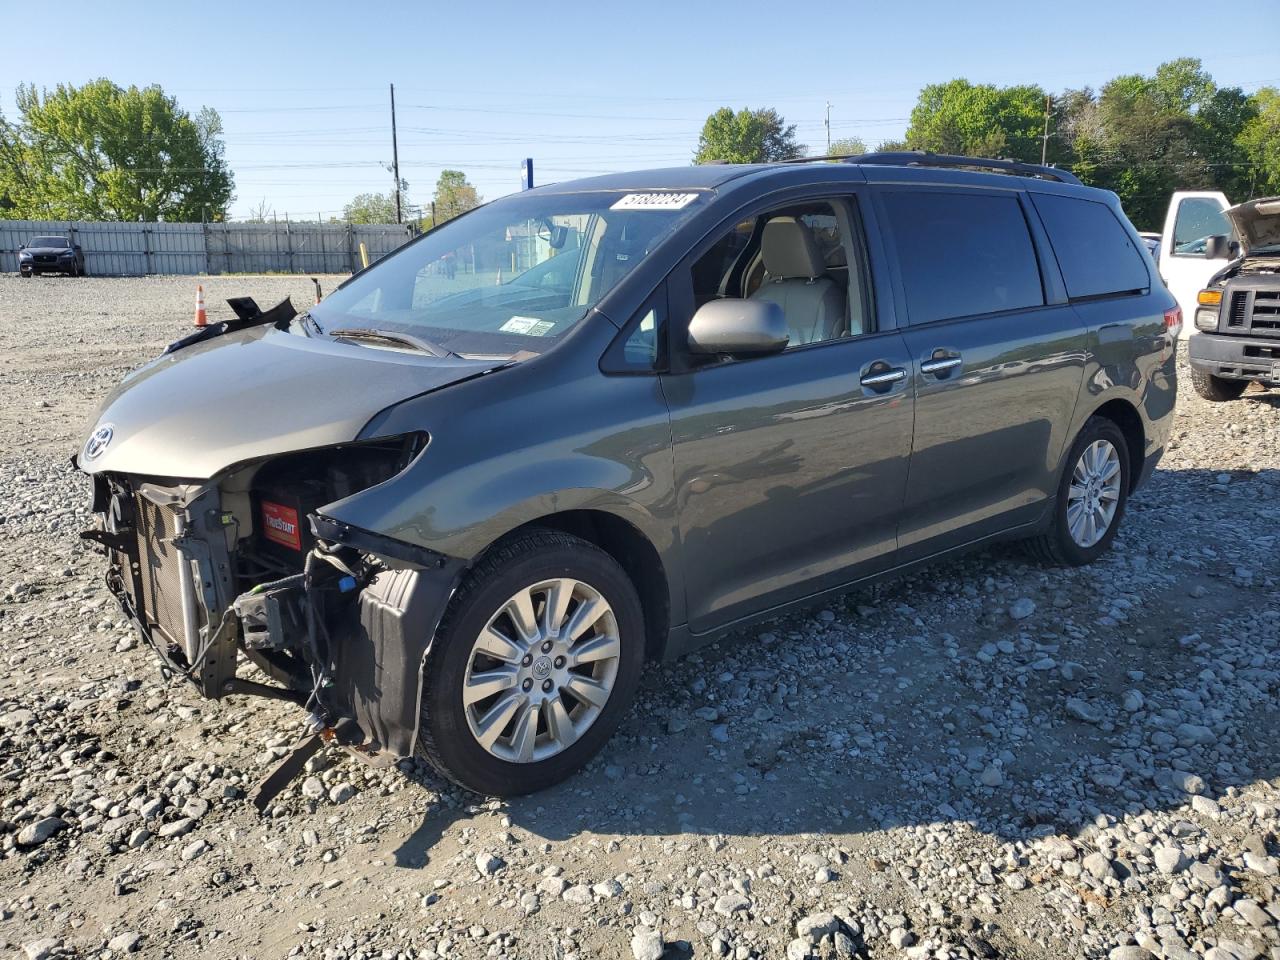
173,578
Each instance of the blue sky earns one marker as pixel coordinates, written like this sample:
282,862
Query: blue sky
582,87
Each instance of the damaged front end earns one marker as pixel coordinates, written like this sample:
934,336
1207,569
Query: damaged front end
246,566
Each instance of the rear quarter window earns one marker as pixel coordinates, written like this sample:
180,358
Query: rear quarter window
962,254
1094,250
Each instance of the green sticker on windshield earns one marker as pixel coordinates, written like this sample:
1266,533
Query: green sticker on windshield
527,326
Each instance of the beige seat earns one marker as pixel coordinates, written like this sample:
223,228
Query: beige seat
796,280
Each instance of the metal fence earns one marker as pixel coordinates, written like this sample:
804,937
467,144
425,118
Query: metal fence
136,249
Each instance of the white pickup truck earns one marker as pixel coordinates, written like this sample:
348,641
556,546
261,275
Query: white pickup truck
1222,263
1194,216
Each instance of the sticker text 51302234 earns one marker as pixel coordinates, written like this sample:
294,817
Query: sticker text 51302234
654,201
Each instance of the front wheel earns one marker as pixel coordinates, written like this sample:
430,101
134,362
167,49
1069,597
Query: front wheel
1091,496
533,666
1216,389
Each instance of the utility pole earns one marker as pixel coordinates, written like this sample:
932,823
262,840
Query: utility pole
1044,142
828,128
395,152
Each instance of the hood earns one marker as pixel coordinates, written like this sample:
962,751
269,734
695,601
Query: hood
46,250
258,392
1257,223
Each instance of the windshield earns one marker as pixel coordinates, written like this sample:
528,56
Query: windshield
515,275
50,242
1199,218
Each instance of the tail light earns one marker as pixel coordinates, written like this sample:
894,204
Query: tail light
1172,327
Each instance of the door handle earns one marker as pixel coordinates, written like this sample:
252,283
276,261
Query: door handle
883,378
940,365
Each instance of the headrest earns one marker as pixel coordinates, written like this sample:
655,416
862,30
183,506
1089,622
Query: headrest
789,250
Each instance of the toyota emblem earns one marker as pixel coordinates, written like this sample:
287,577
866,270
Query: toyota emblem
98,441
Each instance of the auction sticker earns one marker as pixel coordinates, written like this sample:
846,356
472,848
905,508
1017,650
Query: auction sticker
528,326
655,201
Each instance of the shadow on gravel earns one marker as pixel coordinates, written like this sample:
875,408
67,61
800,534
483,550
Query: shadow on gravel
1136,684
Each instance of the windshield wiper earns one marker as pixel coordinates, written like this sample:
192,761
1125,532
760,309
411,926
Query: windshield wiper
306,318
393,336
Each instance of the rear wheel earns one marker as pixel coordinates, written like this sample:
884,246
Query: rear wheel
1091,496
1216,389
536,661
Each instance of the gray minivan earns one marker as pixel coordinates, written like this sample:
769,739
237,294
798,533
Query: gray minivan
454,508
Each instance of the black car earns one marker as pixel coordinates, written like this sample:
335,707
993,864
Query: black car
51,255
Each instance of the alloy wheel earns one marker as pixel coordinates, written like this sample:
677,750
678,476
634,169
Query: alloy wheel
1094,493
541,670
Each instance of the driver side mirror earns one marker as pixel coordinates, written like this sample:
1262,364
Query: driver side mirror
1221,247
738,328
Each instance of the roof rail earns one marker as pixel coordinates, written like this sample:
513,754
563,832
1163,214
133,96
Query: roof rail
920,158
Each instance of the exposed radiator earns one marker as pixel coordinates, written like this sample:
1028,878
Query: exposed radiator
161,578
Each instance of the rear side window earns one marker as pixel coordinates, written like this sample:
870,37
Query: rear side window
1093,248
962,254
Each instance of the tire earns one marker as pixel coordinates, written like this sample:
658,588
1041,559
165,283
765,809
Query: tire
1216,389
1059,544
450,729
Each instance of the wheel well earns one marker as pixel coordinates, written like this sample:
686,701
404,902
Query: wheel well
1124,416
634,553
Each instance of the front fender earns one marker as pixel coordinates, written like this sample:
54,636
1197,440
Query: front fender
544,437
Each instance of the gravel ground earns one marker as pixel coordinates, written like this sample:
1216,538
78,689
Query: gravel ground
990,758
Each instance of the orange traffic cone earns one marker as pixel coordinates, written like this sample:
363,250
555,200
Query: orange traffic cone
201,318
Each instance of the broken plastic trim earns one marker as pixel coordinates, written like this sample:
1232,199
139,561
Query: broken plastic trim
248,314
383,547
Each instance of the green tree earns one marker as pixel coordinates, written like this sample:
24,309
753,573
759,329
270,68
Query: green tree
1175,130
1181,86
846,147
1259,143
1220,125
454,196
104,152
748,136
891,146
978,120
371,208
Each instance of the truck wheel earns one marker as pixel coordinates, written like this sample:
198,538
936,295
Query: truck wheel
534,664
1091,497
1216,389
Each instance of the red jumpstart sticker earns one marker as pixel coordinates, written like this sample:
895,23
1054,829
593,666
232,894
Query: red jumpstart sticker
280,525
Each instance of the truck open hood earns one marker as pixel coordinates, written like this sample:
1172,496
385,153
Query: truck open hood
257,392
1257,223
